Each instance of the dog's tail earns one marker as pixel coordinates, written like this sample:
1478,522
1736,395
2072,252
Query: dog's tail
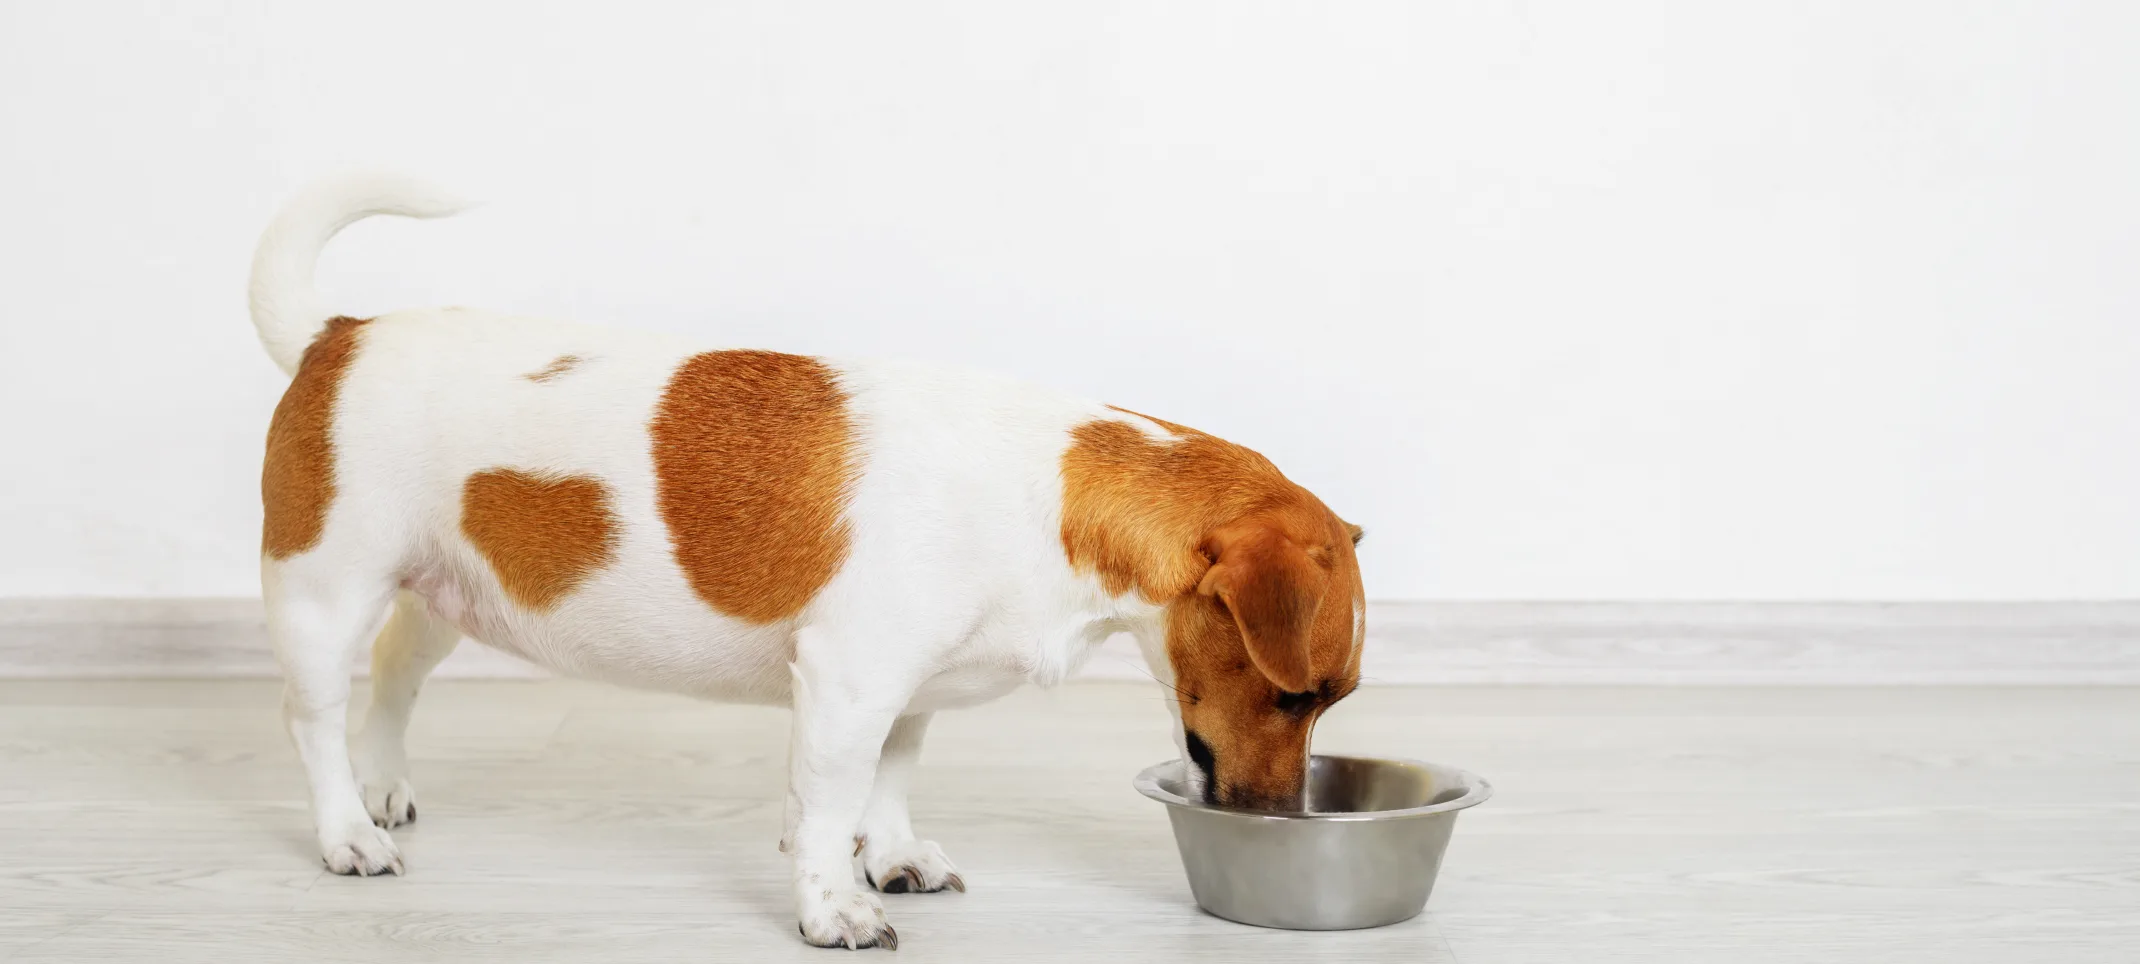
287,309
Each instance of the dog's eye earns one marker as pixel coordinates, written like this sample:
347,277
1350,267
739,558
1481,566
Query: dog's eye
1297,702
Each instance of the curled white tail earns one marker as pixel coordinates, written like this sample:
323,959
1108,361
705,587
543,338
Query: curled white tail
287,309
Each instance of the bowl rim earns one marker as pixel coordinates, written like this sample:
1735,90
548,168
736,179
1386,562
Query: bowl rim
1476,791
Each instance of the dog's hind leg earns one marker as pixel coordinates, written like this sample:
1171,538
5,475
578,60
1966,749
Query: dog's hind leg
892,860
411,645
317,615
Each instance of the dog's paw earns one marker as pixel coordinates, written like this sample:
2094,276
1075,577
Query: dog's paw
362,850
843,916
391,803
382,770
910,867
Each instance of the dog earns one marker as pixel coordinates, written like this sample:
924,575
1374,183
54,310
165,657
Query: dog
864,542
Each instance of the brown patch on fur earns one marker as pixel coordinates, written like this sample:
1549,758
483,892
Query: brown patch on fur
558,366
297,477
542,534
1136,510
1258,579
754,454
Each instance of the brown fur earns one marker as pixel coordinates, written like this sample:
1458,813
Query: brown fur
558,366
1136,511
1258,579
542,534
754,455
297,477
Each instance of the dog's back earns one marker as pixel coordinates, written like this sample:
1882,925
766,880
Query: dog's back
637,508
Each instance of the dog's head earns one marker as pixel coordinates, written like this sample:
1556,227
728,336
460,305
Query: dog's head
1269,639
1263,613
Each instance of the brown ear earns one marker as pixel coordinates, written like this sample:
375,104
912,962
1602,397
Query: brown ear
1272,588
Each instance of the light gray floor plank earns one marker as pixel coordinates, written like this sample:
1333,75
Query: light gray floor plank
165,821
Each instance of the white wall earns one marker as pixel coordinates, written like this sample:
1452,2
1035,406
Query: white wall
1562,299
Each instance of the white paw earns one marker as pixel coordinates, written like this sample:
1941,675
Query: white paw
361,849
842,915
910,867
390,802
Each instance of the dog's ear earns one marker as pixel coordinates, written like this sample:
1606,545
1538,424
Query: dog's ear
1272,587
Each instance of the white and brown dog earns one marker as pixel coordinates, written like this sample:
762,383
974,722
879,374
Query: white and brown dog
864,542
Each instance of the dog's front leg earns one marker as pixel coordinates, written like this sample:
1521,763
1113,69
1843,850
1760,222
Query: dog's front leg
843,712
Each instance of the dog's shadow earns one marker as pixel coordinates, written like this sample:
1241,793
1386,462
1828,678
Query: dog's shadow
721,843
252,797
1121,849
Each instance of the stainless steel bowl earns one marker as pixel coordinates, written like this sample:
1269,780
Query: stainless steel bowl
1364,854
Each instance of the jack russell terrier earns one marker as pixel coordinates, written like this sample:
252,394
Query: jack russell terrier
864,542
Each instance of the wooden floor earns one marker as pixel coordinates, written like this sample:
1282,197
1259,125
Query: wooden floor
565,822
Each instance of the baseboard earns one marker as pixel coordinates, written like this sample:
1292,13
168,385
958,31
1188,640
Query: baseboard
1629,643
192,638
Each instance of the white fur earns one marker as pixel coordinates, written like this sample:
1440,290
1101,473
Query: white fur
287,310
955,589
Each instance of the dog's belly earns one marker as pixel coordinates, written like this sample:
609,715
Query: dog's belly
625,635
615,637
